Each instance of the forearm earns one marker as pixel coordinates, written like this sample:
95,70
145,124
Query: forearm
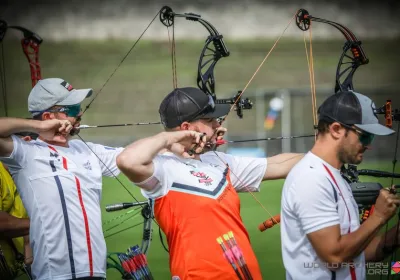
353,244
280,165
11,226
10,126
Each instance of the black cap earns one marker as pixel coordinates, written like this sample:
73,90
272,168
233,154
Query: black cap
189,104
353,108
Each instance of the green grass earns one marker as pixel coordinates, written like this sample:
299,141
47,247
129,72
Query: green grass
266,244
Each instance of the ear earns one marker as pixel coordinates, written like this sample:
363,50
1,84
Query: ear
27,138
336,130
185,126
47,116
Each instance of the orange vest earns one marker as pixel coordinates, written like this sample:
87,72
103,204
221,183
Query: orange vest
192,224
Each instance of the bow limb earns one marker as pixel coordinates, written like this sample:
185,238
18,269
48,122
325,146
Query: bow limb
30,45
213,50
352,54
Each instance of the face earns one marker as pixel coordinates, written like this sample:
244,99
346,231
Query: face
207,126
353,145
72,113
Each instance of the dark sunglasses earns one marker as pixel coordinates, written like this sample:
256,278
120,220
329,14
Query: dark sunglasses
364,137
71,110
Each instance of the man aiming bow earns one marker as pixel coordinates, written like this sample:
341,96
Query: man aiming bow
195,190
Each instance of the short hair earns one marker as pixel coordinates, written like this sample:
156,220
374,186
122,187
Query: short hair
323,126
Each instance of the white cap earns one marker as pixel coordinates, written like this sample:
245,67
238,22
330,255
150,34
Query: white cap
54,91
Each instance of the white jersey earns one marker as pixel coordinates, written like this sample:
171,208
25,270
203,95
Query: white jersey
61,191
315,196
246,173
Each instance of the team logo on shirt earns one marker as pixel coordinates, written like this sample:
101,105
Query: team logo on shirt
87,165
204,179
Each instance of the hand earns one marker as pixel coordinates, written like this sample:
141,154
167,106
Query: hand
55,130
181,142
27,252
216,139
386,204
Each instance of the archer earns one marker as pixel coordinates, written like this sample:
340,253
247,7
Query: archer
195,190
60,182
320,228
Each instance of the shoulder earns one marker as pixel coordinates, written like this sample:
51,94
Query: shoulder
309,171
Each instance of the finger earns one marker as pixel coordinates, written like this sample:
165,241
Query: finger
396,201
204,138
62,126
197,137
69,128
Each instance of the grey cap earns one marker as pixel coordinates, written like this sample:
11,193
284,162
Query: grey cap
353,108
54,91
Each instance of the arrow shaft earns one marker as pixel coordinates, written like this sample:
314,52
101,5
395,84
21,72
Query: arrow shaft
83,126
270,138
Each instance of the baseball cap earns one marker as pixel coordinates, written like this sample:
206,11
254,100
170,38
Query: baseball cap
189,104
54,91
353,108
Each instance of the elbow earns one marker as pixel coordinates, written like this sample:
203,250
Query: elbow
123,162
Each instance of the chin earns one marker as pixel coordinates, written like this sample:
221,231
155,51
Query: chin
357,160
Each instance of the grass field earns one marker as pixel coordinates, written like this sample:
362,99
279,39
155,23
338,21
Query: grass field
266,244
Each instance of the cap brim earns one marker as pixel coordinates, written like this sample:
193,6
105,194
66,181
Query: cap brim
219,111
375,128
76,97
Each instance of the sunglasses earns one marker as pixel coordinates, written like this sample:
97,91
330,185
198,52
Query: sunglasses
71,110
364,137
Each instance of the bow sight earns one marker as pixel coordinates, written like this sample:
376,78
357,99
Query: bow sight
390,114
238,103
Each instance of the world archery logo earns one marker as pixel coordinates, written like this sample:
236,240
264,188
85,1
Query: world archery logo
204,179
395,268
67,86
